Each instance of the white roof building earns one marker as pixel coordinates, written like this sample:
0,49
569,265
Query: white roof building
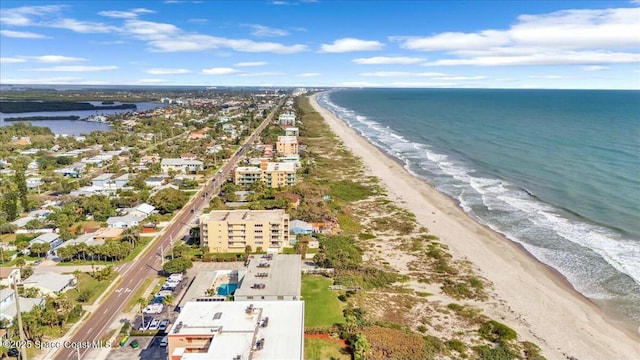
269,330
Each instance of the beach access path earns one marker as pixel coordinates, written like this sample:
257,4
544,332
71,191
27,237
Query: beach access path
528,296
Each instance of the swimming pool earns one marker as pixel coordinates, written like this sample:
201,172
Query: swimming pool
227,289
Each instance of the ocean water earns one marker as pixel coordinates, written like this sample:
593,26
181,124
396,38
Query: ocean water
557,171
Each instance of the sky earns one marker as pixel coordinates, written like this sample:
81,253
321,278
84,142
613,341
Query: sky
323,43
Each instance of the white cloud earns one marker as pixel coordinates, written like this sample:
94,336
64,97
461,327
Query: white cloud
265,31
403,74
21,34
262,73
220,71
585,36
596,67
56,59
454,41
164,71
550,58
162,37
198,20
24,15
85,27
150,81
11,60
131,14
548,77
384,60
309,74
50,80
77,68
351,44
359,84
251,63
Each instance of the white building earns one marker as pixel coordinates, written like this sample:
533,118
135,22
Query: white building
181,165
269,330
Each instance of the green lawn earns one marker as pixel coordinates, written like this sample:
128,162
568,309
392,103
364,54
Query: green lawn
88,282
321,305
321,349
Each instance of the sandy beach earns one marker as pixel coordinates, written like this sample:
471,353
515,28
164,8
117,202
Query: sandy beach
528,296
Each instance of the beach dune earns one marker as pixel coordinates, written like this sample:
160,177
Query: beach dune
527,295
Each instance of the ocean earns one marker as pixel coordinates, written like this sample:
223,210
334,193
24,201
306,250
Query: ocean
557,171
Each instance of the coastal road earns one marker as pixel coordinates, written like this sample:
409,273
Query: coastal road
149,264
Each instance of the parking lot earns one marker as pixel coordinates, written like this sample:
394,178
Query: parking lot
149,349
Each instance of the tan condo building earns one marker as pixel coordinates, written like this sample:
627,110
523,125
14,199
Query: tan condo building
224,231
274,174
287,145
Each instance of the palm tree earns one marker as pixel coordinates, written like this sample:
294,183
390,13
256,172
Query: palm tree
77,273
167,301
20,262
131,235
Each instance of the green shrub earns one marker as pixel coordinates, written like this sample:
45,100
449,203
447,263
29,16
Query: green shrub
456,345
500,352
422,328
497,332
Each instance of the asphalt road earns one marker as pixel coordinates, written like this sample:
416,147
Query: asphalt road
148,265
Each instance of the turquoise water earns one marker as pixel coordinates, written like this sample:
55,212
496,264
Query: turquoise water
227,289
554,170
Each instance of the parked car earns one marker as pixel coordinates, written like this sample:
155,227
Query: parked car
153,309
164,342
144,325
175,277
163,325
154,324
164,293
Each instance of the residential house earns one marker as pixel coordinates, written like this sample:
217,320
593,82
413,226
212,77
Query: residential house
299,227
53,239
9,276
233,230
8,304
188,156
126,221
291,131
50,283
102,181
154,181
121,181
181,165
106,234
34,183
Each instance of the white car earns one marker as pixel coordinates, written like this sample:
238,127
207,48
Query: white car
154,324
153,309
163,325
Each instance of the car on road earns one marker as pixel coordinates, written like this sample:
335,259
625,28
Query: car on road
154,324
164,342
163,325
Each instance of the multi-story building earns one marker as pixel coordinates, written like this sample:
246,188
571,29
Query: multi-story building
232,230
271,277
225,330
287,145
287,119
275,175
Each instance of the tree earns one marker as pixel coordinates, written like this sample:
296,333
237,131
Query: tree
130,235
361,347
168,301
177,265
40,249
77,273
168,200
20,263
10,204
247,251
34,224
302,245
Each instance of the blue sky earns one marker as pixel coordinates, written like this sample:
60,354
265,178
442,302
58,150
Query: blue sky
458,44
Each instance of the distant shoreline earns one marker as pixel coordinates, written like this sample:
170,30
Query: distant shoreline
42,118
12,107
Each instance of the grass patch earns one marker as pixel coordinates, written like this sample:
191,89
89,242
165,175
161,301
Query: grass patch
89,283
322,307
347,190
139,293
321,349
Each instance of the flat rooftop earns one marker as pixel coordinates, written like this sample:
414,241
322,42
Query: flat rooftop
287,139
249,169
281,166
283,276
236,216
202,282
235,328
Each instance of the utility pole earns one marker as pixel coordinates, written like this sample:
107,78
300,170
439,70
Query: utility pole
23,349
